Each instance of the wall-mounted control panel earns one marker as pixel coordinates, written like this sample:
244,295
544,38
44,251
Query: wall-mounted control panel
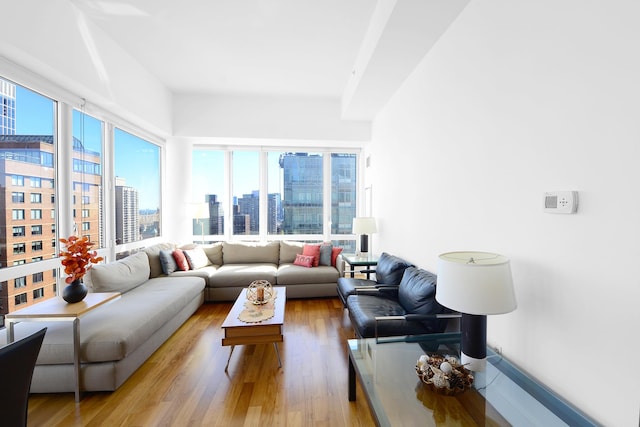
565,202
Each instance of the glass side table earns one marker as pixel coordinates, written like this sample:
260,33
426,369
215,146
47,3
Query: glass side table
362,260
501,395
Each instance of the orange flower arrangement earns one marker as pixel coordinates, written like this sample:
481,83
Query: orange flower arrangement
76,258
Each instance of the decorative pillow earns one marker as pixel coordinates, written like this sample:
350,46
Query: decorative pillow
325,253
334,255
303,260
196,258
312,250
122,275
181,260
167,261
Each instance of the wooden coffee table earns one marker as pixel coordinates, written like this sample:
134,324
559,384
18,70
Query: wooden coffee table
237,332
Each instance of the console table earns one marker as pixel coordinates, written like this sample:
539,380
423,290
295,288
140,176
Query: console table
57,310
501,395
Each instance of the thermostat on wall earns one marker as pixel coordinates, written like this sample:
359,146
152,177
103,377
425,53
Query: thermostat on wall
561,202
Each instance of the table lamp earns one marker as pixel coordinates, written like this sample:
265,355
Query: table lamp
364,226
475,284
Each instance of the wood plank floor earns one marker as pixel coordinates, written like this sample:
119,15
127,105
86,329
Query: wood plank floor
184,382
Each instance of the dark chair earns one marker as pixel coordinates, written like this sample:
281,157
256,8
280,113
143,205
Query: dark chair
17,362
388,272
407,309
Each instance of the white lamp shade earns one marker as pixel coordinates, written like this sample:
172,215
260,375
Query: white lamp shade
200,210
475,283
364,225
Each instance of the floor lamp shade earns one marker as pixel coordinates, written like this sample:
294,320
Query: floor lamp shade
364,226
475,284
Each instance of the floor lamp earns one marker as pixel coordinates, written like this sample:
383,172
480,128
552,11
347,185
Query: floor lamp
475,284
201,212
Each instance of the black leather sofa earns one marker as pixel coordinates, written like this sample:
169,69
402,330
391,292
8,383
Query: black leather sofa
408,307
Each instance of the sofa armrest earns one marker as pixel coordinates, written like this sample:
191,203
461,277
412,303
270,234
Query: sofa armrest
414,318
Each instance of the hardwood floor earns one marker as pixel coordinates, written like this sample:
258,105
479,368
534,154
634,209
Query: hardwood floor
184,382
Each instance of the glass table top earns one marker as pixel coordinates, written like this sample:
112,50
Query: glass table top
502,395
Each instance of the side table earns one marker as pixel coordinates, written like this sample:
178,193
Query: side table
58,310
363,260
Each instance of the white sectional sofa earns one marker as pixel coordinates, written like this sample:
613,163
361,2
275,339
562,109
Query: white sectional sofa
117,338
232,266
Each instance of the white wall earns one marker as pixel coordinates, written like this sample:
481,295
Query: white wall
265,117
516,99
54,39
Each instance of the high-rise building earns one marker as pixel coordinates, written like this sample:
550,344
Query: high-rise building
343,192
7,108
216,215
302,185
28,216
127,215
249,206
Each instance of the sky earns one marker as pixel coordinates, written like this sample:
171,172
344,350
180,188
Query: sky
136,160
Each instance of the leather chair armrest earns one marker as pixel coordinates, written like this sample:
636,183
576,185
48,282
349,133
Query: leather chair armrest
414,317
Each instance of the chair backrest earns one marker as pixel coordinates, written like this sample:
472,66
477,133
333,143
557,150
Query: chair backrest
390,269
17,362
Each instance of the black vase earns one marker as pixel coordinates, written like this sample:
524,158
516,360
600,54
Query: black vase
74,292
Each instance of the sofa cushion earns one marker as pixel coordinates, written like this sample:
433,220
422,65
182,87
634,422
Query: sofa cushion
167,261
390,269
417,291
312,250
181,260
334,255
363,309
122,275
325,253
153,252
304,260
289,250
290,274
214,253
241,275
245,252
196,258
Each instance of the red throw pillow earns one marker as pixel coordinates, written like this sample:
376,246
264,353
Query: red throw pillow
334,255
181,260
303,260
312,250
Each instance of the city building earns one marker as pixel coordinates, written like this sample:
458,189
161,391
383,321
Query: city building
127,214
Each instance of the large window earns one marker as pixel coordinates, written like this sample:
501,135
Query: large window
87,175
27,150
208,182
137,188
29,155
301,191
246,193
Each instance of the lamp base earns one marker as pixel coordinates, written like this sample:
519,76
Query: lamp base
473,344
364,243
473,364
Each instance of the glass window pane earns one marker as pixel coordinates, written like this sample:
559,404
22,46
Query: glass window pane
27,149
343,192
137,188
302,190
87,175
246,196
207,180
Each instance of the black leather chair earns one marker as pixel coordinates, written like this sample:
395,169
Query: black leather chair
388,272
407,309
17,362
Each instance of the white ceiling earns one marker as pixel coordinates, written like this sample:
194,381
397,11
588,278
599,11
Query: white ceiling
282,47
